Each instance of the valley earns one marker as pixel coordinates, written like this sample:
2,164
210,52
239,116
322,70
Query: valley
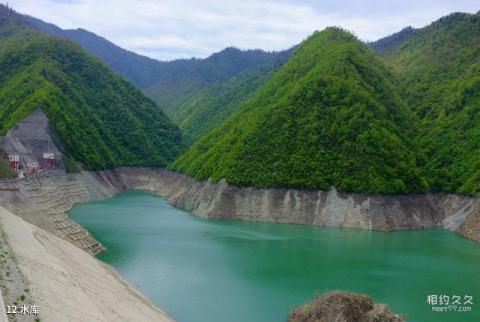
330,136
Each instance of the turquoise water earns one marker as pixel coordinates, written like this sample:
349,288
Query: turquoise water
201,270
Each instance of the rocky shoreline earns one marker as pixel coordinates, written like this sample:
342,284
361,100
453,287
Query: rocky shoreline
43,202
46,199
321,208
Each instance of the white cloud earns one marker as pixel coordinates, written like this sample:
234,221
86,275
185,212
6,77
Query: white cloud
168,29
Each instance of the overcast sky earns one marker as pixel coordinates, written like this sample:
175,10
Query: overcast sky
169,29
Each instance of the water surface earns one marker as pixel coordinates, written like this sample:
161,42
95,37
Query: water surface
201,270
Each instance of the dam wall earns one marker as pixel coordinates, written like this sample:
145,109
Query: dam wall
45,200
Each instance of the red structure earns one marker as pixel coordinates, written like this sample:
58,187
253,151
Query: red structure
49,160
14,161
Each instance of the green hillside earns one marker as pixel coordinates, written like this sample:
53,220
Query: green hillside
388,44
157,77
216,84
404,119
102,120
438,72
209,106
329,117
198,77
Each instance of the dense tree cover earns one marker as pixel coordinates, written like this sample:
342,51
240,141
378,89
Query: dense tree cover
175,88
209,106
438,74
196,93
166,82
333,115
389,43
141,70
329,117
102,120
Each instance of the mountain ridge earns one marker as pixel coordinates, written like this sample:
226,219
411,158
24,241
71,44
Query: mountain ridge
437,72
169,83
102,120
148,73
427,78
291,133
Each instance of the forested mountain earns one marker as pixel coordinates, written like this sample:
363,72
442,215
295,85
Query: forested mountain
166,82
203,109
438,72
102,120
405,119
329,117
413,126
389,43
141,70
174,88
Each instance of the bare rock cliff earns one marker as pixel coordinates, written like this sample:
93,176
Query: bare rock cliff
322,208
45,200
32,137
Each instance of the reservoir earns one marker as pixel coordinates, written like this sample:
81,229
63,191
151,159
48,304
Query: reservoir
202,270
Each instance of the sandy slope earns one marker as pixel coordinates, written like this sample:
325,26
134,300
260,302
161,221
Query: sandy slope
70,285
